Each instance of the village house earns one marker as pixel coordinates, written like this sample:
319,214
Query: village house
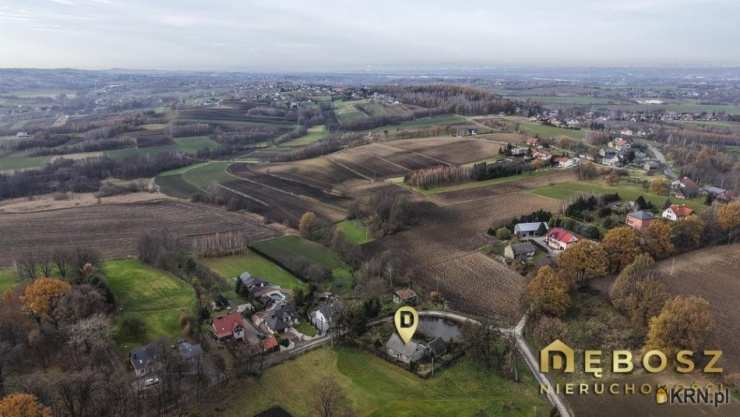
191,354
404,352
560,239
639,220
228,326
519,151
685,188
405,296
324,316
276,320
522,230
520,251
719,193
610,157
145,359
677,212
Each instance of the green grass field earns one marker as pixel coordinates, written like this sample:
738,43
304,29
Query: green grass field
287,247
7,279
569,190
156,297
347,112
186,181
423,122
119,154
545,131
354,231
154,126
377,388
14,161
193,144
306,328
232,266
313,135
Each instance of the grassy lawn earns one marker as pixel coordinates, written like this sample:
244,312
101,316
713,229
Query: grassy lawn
545,131
7,279
354,231
193,144
120,154
156,297
20,160
478,184
186,181
232,266
423,122
154,126
306,328
568,190
377,388
291,246
314,134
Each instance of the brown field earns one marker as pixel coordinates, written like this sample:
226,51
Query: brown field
114,228
443,250
49,202
383,160
712,273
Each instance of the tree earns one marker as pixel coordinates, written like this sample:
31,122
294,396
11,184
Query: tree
502,233
684,323
485,345
547,329
548,293
686,234
637,292
583,261
728,217
39,296
622,246
22,405
660,186
307,224
329,398
658,239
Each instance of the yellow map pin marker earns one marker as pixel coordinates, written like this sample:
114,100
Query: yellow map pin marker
407,320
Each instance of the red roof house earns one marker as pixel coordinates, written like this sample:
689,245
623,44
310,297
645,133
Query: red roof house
559,238
230,325
677,212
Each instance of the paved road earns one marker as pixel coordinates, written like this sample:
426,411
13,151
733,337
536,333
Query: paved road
668,171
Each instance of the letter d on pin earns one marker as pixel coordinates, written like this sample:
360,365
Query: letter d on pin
407,320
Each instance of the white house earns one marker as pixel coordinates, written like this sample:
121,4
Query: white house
677,212
529,229
323,317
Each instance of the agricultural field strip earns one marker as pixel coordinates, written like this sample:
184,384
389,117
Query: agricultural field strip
414,153
241,194
354,172
280,190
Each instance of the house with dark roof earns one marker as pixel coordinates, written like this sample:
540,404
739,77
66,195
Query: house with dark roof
522,230
520,251
404,352
277,319
559,238
639,220
145,359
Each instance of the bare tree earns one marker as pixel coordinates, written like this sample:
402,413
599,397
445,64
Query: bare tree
329,399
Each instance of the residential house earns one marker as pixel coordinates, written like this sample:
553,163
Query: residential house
252,283
522,230
651,166
277,319
565,162
437,347
404,352
145,359
677,212
269,344
324,316
639,220
533,141
269,295
519,151
542,155
560,239
520,251
274,412
22,135
610,157
405,296
229,326
191,354
685,188
719,193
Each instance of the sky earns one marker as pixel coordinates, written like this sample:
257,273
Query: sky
335,35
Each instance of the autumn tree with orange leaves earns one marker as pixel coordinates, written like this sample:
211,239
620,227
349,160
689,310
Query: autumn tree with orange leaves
548,293
22,405
728,217
39,296
583,261
622,245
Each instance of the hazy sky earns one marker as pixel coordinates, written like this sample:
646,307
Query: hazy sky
305,35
